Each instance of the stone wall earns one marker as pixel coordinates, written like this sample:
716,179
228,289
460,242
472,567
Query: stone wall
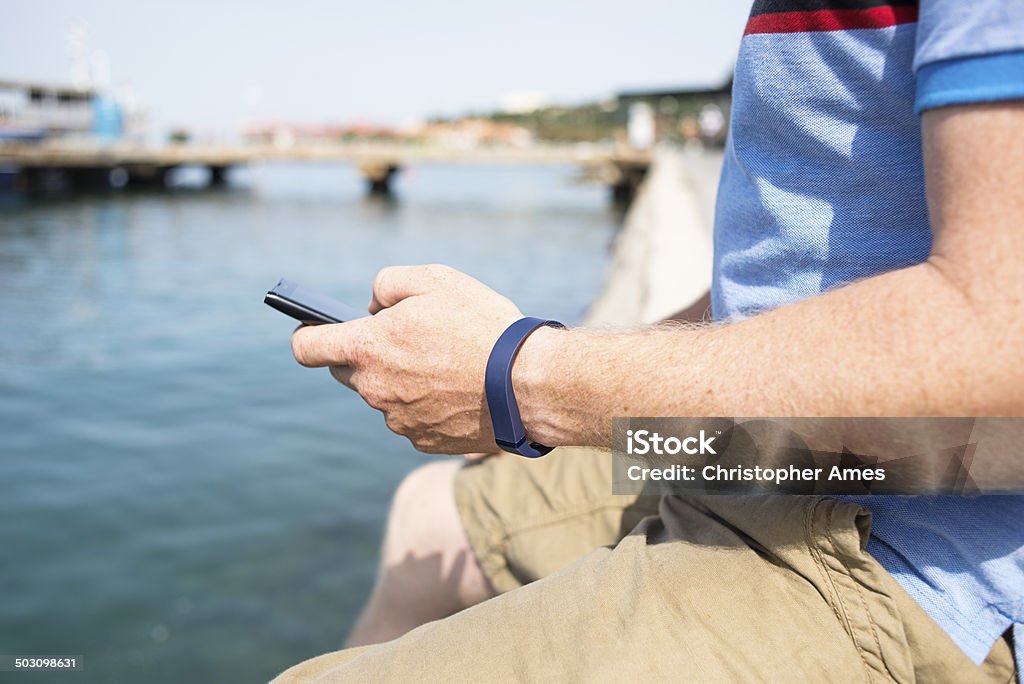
661,259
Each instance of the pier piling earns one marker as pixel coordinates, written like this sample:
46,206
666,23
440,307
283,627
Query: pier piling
218,176
378,176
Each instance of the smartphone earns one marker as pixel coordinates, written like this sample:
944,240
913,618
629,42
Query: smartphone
311,308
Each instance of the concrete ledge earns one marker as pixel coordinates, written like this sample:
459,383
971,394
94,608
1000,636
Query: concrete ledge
661,260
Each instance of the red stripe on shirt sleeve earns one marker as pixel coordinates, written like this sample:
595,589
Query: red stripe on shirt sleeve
831,20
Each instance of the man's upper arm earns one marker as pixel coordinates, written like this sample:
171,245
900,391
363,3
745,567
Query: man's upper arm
974,175
969,64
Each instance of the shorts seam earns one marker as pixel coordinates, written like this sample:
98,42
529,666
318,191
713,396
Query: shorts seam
860,597
839,608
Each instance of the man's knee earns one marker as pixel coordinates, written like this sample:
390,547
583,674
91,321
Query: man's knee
425,536
423,510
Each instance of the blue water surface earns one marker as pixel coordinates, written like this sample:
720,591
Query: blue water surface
179,501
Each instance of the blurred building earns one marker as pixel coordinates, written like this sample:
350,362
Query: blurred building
474,132
639,118
463,132
36,111
523,102
684,113
284,134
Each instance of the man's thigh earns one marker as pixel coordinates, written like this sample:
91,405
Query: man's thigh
712,589
527,518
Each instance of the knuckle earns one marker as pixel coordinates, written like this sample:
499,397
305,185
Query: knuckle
299,351
376,398
431,444
437,271
378,280
394,424
368,391
361,353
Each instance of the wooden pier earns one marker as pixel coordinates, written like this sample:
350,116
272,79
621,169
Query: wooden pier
118,165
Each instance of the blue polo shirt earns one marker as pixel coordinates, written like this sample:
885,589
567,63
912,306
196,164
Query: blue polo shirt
823,184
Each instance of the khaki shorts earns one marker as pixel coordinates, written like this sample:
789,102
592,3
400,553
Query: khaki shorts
711,588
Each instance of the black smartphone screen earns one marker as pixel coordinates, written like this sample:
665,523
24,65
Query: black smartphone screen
311,308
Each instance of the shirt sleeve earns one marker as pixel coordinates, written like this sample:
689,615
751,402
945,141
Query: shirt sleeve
969,52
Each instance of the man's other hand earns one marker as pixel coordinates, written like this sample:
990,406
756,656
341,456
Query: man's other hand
420,360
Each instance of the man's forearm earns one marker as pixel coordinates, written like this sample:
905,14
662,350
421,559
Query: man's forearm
903,343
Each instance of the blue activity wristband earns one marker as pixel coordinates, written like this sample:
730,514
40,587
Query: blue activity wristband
509,433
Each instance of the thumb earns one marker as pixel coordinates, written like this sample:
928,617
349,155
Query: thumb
395,283
329,345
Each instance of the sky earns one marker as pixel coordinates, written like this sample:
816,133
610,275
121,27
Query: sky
213,66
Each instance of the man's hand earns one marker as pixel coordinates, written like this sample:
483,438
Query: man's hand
420,360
